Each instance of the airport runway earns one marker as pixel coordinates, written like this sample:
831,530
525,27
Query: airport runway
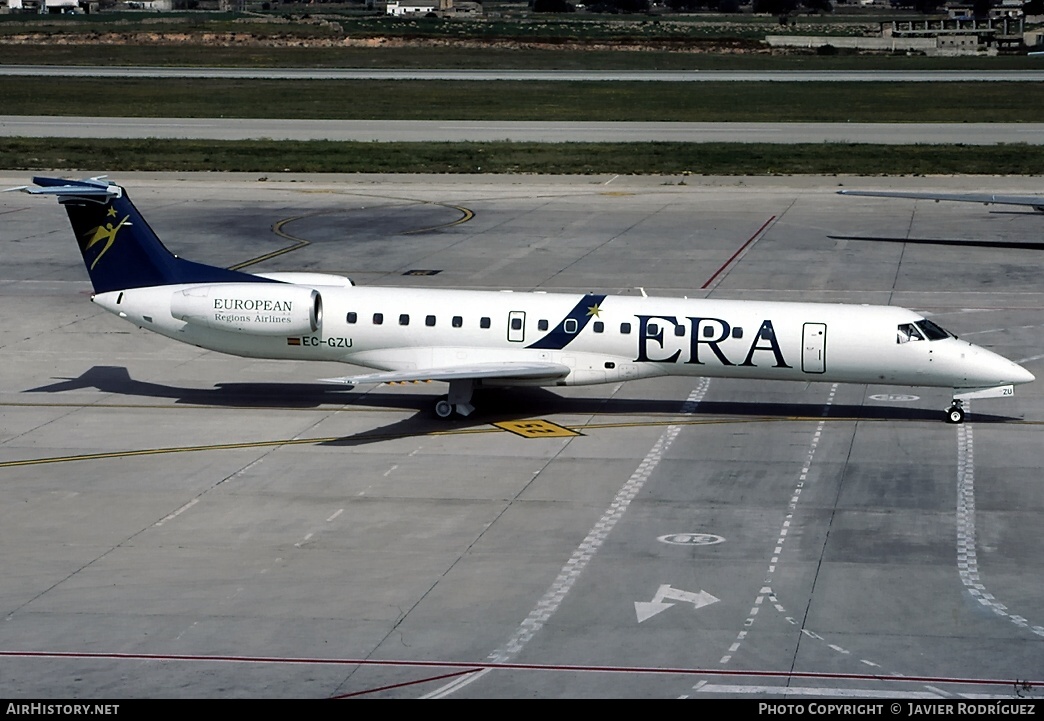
480,74
181,524
484,74
25,126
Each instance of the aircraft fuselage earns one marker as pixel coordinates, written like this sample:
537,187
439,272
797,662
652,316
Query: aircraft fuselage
600,338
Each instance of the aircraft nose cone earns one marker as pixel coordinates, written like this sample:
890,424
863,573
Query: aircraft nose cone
996,370
1008,371
1021,375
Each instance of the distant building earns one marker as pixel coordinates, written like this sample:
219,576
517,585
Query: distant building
1003,9
959,10
410,8
948,36
462,8
50,6
444,8
60,6
1007,9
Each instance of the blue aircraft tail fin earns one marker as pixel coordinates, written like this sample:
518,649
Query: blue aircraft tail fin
119,248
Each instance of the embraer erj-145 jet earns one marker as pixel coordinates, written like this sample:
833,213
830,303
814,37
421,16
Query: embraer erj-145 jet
472,339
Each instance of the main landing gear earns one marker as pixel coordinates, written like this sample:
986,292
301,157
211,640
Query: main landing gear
458,399
443,408
955,413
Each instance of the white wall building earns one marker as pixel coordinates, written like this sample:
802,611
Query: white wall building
48,5
410,8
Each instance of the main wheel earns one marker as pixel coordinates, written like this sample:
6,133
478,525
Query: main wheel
443,408
955,415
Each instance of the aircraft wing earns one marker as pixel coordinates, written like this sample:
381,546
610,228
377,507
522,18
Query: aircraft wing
1034,201
475,371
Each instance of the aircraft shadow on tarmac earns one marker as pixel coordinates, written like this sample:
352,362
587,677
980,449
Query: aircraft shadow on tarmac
1008,245
493,405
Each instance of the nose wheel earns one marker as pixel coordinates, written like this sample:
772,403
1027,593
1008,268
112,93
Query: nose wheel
955,413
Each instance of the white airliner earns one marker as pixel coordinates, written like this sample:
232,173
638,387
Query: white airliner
472,339
1033,201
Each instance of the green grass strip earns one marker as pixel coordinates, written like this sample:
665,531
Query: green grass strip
88,155
823,102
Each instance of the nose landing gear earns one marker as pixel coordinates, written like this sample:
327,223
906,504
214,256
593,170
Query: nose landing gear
955,413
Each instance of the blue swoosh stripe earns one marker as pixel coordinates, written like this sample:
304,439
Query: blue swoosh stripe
557,338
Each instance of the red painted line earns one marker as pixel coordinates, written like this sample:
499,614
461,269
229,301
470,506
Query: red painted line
471,667
743,247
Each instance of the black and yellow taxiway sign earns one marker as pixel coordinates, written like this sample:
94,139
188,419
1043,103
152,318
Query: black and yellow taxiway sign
536,429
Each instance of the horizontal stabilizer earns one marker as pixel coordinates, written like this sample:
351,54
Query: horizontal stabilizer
475,371
1034,201
63,186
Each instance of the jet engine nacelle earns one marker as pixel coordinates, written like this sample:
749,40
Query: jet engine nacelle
253,308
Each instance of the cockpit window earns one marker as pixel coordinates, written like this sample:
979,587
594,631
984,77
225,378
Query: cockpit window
907,332
933,331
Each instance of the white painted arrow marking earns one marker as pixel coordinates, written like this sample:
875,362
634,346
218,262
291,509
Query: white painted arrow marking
647,609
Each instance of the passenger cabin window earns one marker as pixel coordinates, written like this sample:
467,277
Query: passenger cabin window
625,328
457,321
599,326
652,330
429,321
737,333
541,325
679,330
483,322
907,332
404,319
516,324
570,325
353,317
378,318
